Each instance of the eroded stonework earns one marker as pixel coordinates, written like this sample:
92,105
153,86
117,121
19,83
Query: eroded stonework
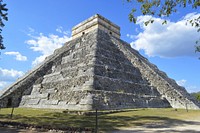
96,70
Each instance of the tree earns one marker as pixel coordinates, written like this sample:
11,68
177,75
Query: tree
159,8
196,95
3,16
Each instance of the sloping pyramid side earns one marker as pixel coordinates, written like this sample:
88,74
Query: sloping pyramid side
96,74
96,71
176,95
69,84
31,81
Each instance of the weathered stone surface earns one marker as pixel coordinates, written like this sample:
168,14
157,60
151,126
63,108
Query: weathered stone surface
49,102
94,22
88,100
96,70
33,101
36,89
51,91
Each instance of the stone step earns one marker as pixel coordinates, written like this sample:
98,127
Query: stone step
32,101
49,102
52,74
36,89
36,96
50,91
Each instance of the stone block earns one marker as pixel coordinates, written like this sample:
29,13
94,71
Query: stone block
36,89
49,102
37,86
72,102
51,91
52,74
57,76
62,103
87,87
33,101
26,97
41,96
86,101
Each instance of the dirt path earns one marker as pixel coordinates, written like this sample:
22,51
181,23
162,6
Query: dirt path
183,126
177,129
188,127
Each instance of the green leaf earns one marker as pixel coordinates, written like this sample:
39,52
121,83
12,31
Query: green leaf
146,23
3,7
2,46
197,49
164,22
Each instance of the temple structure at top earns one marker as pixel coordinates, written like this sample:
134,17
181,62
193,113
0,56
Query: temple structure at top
96,22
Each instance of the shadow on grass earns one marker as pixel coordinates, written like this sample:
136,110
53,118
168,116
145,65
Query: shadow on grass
106,122
49,121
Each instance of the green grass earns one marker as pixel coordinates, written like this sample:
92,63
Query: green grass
128,118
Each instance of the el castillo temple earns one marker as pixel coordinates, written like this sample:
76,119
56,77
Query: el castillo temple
96,70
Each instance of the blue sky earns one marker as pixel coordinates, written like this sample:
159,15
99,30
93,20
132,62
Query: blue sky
36,28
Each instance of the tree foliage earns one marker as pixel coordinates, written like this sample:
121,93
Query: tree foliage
196,95
3,16
159,8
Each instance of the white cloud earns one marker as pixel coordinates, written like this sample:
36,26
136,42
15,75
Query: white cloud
193,89
60,30
3,84
181,82
189,88
17,55
8,76
39,59
31,30
131,36
46,44
171,40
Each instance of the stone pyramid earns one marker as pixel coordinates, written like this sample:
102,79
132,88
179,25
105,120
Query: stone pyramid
96,70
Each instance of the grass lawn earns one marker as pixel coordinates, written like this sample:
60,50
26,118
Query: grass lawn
128,118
